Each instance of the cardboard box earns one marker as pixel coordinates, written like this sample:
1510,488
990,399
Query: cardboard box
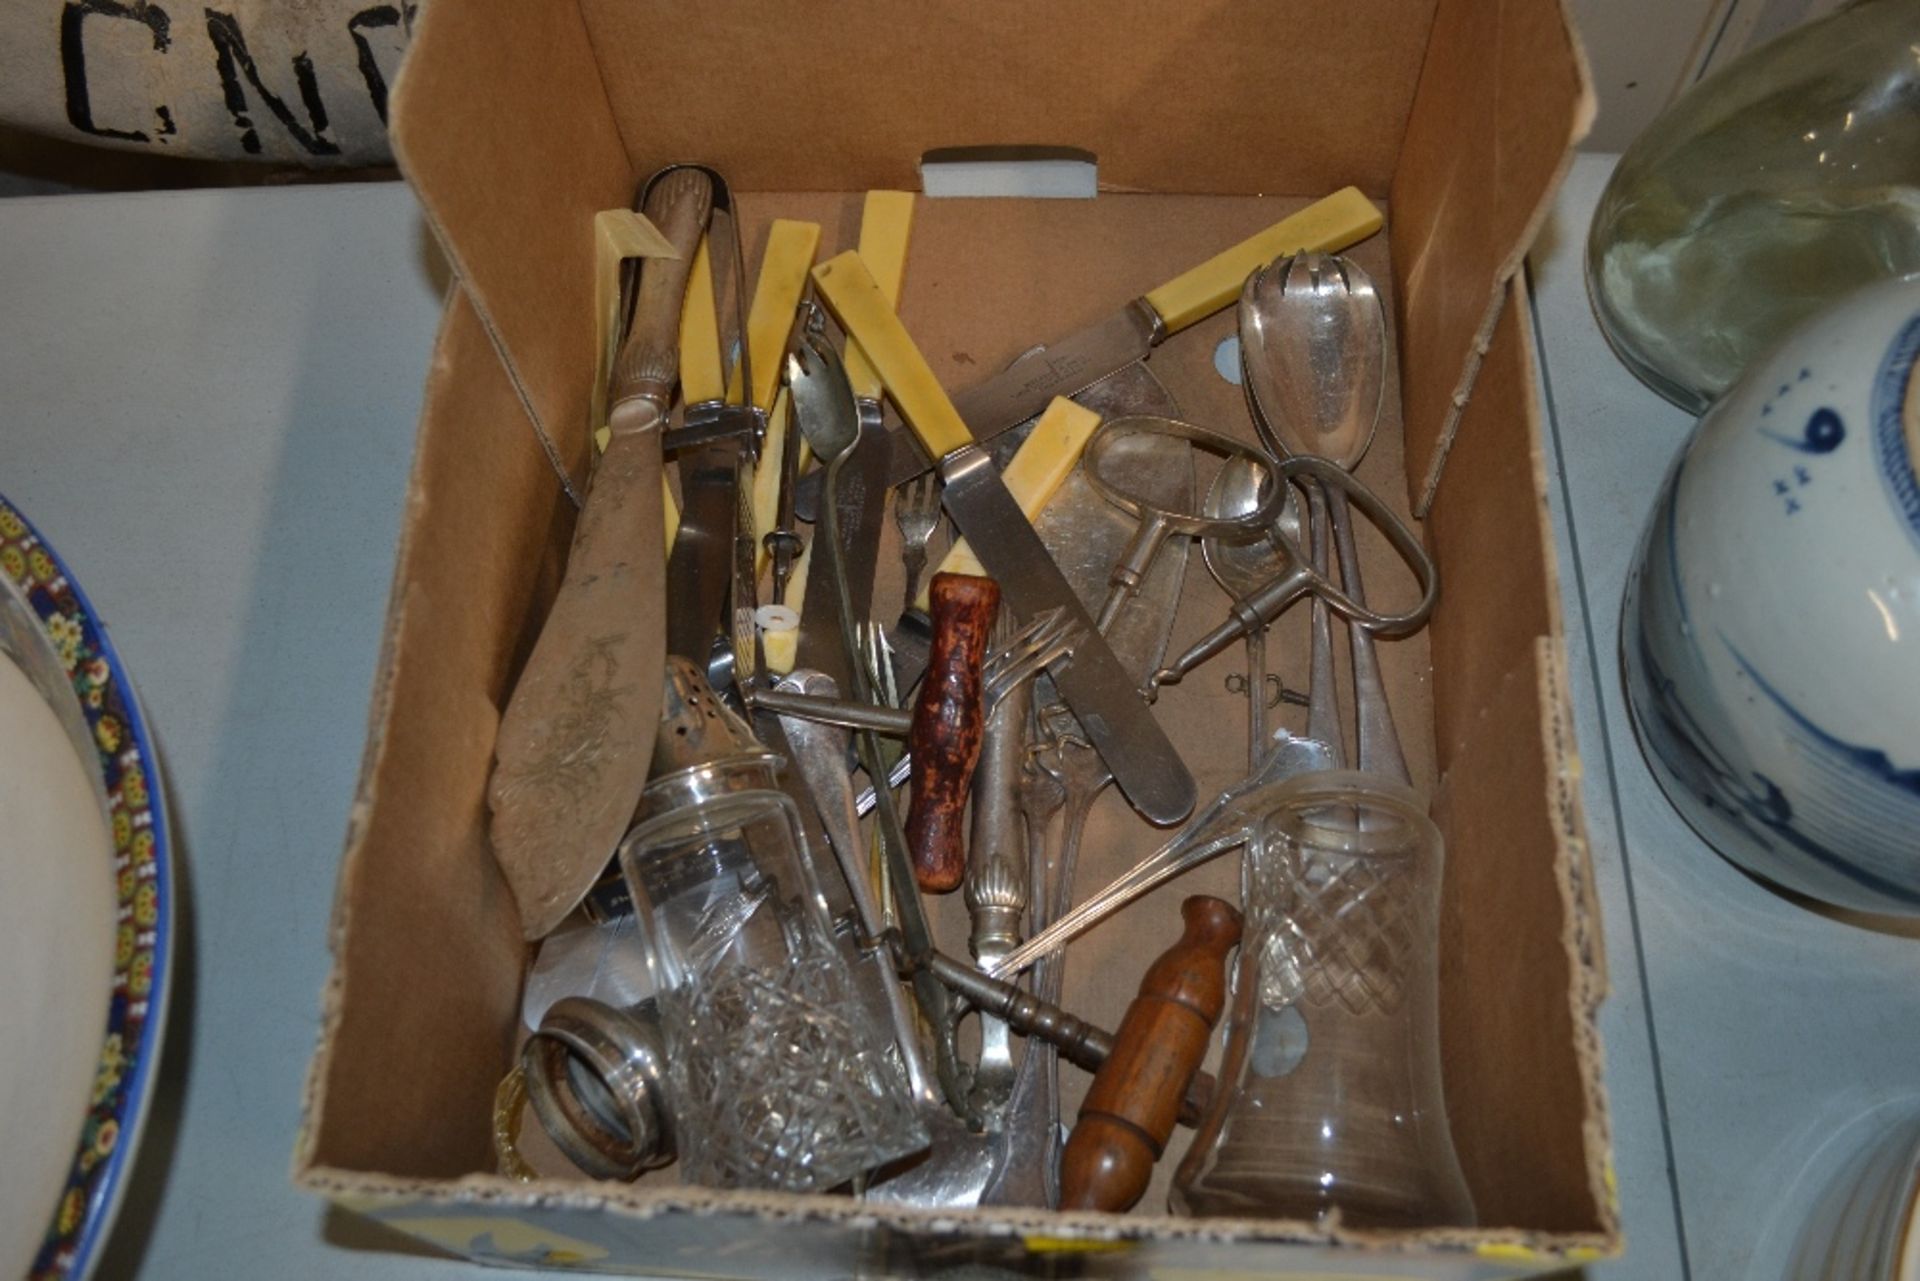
517,121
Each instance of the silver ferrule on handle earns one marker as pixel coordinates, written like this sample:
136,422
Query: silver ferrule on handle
996,883
996,880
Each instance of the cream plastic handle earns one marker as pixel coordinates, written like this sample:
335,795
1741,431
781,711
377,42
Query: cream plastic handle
1342,219
701,378
885,222
864,312
776,296
1045,459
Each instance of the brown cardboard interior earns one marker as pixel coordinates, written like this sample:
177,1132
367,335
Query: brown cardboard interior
1463,110
1168,97
420,1015
1501,103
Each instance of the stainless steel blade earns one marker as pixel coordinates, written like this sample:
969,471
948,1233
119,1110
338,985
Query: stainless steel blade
1024,388
1086,535
718,442
1104,698
700,568
1132,389
1019,392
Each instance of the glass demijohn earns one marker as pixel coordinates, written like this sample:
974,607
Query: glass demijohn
1764,192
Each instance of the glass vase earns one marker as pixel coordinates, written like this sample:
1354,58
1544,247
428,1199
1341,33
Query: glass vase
1329,1099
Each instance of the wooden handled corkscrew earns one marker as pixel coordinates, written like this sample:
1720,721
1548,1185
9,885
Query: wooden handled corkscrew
1135,1098
948,722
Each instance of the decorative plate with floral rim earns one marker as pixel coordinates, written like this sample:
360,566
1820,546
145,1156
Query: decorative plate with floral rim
86,918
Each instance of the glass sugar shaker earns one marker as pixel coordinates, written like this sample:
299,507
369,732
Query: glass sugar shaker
779,1073
1329,1094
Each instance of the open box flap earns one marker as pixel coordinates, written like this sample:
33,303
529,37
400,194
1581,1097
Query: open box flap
503,130
419,1009
517,122
1504,97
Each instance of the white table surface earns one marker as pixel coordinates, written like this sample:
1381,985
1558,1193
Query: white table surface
209,403
209,409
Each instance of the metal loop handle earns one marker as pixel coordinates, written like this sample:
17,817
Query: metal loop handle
1157,522
1297,577
1240,528
1403,540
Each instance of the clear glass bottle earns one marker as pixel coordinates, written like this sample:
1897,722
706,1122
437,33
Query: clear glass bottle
779,1074
1329,1092
1765,191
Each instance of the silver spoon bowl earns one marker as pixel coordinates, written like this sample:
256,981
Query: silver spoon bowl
1313,359
1243,564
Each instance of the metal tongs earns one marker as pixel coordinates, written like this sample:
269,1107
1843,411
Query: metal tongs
1106,472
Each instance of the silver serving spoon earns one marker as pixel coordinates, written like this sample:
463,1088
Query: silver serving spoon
1313,339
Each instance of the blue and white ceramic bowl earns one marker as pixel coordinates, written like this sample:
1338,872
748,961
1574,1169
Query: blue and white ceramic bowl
1771,630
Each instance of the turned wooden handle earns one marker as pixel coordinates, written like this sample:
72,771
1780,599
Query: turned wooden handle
641,384
1135,1097
947,727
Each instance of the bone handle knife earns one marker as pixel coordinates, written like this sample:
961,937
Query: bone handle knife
1094,683
1071,364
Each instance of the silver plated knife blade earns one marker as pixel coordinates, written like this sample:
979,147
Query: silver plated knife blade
1025,387
700,567
1134,389
1102,695
721,440
576,736
1105,699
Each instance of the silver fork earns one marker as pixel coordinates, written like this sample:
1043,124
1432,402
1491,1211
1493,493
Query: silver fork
916,510
878,657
